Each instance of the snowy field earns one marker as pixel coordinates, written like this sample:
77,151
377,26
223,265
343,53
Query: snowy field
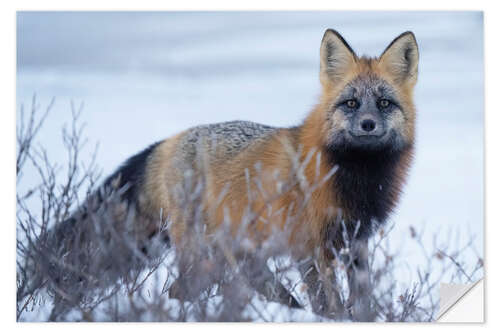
146,76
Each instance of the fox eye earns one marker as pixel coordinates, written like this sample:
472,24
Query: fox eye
352,103
383,103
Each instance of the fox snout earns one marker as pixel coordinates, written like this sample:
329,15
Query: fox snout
368,125
367,130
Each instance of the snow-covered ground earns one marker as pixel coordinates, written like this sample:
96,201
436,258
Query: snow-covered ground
145,76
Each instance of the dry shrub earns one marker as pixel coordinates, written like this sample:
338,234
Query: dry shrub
85,260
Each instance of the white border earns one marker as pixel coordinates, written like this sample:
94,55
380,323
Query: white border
251,5
7,132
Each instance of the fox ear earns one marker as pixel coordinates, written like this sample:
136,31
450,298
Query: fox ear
400,58
336,57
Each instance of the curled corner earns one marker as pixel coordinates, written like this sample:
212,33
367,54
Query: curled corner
461,302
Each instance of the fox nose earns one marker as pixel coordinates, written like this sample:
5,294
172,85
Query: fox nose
368,125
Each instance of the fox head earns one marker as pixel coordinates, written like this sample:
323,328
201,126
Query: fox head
368,102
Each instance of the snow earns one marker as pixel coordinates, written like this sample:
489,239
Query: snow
146,76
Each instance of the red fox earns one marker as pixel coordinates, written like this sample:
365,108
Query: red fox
347,161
